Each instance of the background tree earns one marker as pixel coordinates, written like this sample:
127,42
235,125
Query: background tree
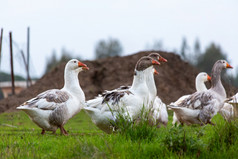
196,53
209,57
184,49
197,49
109,48
53,61
156,45
7,77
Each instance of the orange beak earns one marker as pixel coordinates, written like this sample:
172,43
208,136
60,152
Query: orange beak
209,78
155,62
156,72
228,66
80,64
85,68
161,59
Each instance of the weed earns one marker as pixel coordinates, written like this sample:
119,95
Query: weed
225,135
135,130
178,140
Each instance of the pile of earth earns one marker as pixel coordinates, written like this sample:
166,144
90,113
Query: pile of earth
176,78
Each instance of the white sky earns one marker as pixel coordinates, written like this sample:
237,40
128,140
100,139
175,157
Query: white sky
78,25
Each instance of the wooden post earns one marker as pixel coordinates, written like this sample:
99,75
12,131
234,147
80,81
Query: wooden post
28,57
11,60
1,46
25,63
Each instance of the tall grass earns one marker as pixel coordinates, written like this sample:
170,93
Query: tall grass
134,140
135,130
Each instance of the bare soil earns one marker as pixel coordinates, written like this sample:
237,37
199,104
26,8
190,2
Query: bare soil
176,78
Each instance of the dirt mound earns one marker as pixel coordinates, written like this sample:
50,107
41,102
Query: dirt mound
176,78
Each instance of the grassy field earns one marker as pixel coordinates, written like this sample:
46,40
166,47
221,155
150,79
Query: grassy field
21,138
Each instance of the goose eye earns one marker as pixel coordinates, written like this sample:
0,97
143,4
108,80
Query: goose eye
74,61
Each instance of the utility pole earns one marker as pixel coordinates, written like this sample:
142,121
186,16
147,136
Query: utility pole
28,57
11,60
1,46
25,63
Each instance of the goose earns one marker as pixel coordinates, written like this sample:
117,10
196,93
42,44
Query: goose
200,80
233,99
51,109
228,109
106,106
159,112
200,107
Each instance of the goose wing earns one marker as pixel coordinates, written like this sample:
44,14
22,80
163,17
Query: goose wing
48,100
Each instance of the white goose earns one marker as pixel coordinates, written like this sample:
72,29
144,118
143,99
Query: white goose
200,80
200,107
160,114
131,100
233,99
51,109
228,108
159,109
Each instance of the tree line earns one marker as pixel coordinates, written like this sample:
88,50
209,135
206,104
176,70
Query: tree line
203,60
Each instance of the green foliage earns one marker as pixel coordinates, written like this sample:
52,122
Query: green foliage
109,48
7,77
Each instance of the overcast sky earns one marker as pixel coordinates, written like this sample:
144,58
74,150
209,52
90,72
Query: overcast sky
79,25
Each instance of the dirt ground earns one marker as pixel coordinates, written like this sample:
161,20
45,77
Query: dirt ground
176,78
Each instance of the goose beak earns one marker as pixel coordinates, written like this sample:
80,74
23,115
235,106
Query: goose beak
84,66
154,62
228,66
156,72
209,78
161,59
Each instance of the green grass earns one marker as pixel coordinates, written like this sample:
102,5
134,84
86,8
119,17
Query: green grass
21,138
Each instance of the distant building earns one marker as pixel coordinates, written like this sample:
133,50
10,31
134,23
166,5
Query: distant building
7,87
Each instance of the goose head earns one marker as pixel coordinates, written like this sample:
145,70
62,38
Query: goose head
200,81
145,62
203,77
157,56
222,64
76,65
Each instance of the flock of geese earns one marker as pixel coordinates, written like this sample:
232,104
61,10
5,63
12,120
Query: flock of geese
52,109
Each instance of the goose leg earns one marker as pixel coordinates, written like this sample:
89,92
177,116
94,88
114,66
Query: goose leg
66,133
42,132
63,131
